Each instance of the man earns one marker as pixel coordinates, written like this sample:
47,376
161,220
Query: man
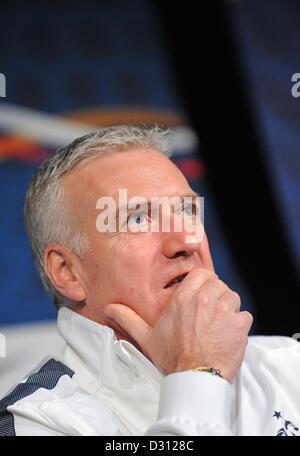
156,343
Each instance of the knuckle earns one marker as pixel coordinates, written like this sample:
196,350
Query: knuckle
236,297
231,297
196,271
213,284
203,272
223,287
221,283
202,297
223,306
244,320
249,317
232,294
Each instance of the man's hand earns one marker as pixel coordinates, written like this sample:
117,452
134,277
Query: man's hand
200,326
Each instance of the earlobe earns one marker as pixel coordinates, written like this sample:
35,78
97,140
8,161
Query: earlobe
73,290
61,268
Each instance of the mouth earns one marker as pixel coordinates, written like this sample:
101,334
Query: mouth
177,280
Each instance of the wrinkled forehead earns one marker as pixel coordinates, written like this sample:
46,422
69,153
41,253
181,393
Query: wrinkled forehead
141,172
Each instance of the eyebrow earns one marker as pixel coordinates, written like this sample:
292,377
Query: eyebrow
191,194
186,195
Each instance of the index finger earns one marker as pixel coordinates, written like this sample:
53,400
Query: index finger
130,322
195,279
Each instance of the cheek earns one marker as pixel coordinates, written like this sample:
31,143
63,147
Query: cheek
131,257
133,277
123,272
123,264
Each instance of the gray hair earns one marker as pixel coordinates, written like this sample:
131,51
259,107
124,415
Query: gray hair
48,215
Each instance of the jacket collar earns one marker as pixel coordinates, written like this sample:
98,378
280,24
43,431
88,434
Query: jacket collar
114,362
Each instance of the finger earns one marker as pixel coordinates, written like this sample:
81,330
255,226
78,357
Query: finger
206,298
195,280
246,319
230,300
130,322
212,290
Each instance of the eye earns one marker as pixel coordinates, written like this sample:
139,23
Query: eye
190,209
137,220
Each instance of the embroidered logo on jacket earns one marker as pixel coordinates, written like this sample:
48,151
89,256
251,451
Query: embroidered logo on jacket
288,428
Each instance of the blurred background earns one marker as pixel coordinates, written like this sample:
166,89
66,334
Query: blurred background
219,75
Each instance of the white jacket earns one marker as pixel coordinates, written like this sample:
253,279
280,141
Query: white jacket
102,386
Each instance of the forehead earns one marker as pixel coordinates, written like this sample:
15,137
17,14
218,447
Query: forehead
141,172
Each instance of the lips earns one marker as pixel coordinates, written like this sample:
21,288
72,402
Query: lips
176,279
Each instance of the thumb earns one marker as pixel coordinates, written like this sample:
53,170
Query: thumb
130,322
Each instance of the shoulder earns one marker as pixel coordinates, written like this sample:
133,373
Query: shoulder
50,399
45,377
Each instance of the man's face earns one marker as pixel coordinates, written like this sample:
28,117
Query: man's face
131,268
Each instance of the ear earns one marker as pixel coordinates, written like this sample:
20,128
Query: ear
63,269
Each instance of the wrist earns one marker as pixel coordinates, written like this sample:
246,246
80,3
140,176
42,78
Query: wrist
210,370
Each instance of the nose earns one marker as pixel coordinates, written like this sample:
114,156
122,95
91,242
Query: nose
181,243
